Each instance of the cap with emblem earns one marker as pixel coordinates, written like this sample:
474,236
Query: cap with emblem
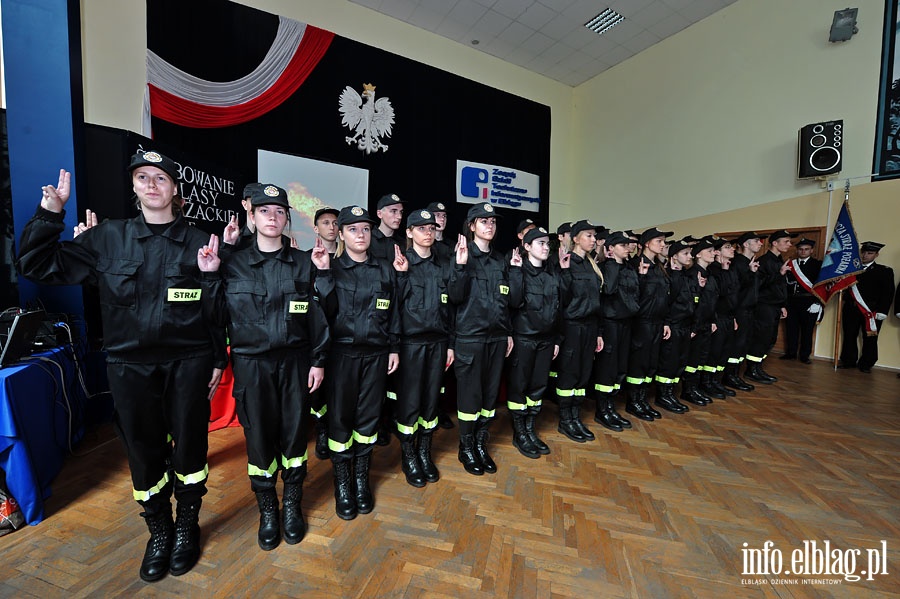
388,200
266,193
805,241
718,242
248,189
689,239
436,207
418,218
582,225
618,238
564,228
353,214
745,237
653,233
871,246
677,247
524,224
703,244
326,210
535,233
484,210
142,158
780,234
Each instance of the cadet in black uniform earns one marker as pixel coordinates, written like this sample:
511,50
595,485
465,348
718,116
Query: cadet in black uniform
536,341
875,286
581,284
444,249
673,351
744,265
279,337
649,326
722,340
386,241
771,305
160,334
325,228
703,325
621,290
364,321
483,334
803,309
426,320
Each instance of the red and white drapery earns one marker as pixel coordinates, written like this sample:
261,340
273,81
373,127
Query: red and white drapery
186,100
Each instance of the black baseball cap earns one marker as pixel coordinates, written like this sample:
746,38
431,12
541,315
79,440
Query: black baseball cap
653,233
703,244
617,238
420,217
436,207
483,210
781,234
523,224
325,210
582,225
353,214
151,158
564,228
388,200
747,236
535,233
266,194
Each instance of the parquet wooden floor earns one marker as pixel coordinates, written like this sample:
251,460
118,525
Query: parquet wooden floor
660,511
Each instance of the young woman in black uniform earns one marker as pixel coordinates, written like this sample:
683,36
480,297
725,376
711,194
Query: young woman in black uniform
537,337
364,320
580,285
649,326
279,336
425,354
161,338
684,290
620,303
704,324
481,291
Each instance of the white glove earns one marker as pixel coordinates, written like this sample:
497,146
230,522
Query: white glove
814,308
880,316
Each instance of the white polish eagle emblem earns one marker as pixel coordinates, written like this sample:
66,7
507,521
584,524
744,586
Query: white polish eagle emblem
368,118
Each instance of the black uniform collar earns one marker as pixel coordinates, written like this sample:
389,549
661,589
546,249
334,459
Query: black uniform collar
176,231
284,254
347,262
414,258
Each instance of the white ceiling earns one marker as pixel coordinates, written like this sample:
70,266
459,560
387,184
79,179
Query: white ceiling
549,36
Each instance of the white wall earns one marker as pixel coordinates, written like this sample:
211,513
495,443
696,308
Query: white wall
707,120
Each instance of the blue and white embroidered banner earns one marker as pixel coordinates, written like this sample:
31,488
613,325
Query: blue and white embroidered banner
501,186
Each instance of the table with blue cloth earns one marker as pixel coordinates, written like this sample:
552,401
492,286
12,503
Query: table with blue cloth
41,416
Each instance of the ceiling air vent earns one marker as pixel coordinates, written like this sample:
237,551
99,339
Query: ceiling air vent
605,21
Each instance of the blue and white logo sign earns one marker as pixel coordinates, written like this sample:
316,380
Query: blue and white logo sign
498,185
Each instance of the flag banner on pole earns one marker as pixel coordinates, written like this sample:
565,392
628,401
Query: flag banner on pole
841,262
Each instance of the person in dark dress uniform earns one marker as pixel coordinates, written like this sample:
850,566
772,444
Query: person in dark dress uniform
874,289
771,305
803,309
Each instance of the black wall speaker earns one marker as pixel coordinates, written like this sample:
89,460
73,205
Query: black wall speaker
820,149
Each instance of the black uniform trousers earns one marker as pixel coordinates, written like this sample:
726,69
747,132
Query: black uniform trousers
698,350
355,392
852,324
529,373
420,375
643,358
154,402
798,328
574,363
673,354
479,368
721,344
611,364
765,331
271,398
742,335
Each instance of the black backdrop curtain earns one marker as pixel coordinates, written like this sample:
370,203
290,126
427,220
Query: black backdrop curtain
439,117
